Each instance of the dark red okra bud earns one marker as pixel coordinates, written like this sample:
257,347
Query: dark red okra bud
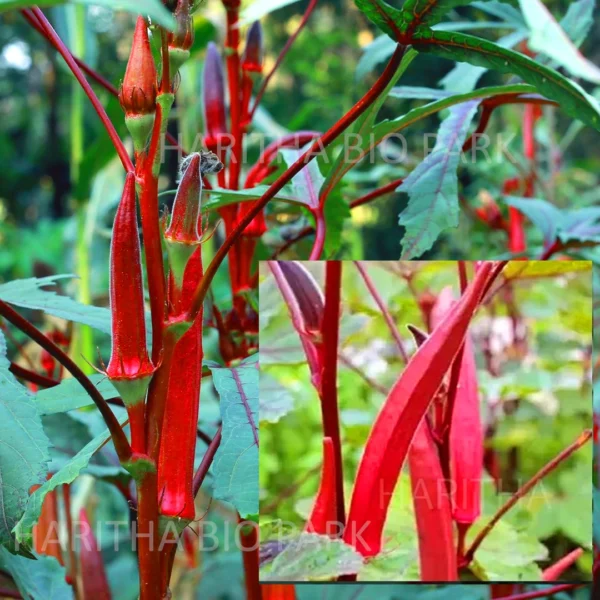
306,305
184,232
252,58
213,99
180,41
129,368
139,89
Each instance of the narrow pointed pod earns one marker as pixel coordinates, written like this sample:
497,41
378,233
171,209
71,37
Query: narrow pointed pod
437,554
129,368
322,518
179,422
553,572
94,582
466,435
399,417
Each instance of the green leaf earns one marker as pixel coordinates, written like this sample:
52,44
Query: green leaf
433,186
579,20
219,197
24,451
306,184
36,579
569,226
235,466
24,528
542,214
507,554
386,17
28,293
429,12
69,394
549,38
151,8
462,47
313,558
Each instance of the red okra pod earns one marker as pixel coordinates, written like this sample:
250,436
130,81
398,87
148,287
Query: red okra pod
466,431
178,438
401,414
553,572
213,96
437,554
323,516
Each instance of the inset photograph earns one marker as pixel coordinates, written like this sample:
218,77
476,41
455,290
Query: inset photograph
426,421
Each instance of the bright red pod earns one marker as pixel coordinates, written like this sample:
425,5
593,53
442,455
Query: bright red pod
178,439
129,360
437,554
94,581
398,419
553,572
213,97
323,516
466,431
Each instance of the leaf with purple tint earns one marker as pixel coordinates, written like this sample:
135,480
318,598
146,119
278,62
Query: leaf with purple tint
433,186
235,467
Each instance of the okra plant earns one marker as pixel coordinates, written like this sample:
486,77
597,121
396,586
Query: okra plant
465,371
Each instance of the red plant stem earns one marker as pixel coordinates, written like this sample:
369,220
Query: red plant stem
322,519
32,376
321,230
153,253
382,191
7,593
551,250
298,139
207,460
462,276
232,60
157,397
322,142
523,490
72,572
284,51
383,308
118,436
249,545
550,591
329,360
553,572
91,73
64,52
148,537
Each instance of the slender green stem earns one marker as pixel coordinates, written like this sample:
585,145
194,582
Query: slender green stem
527,487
